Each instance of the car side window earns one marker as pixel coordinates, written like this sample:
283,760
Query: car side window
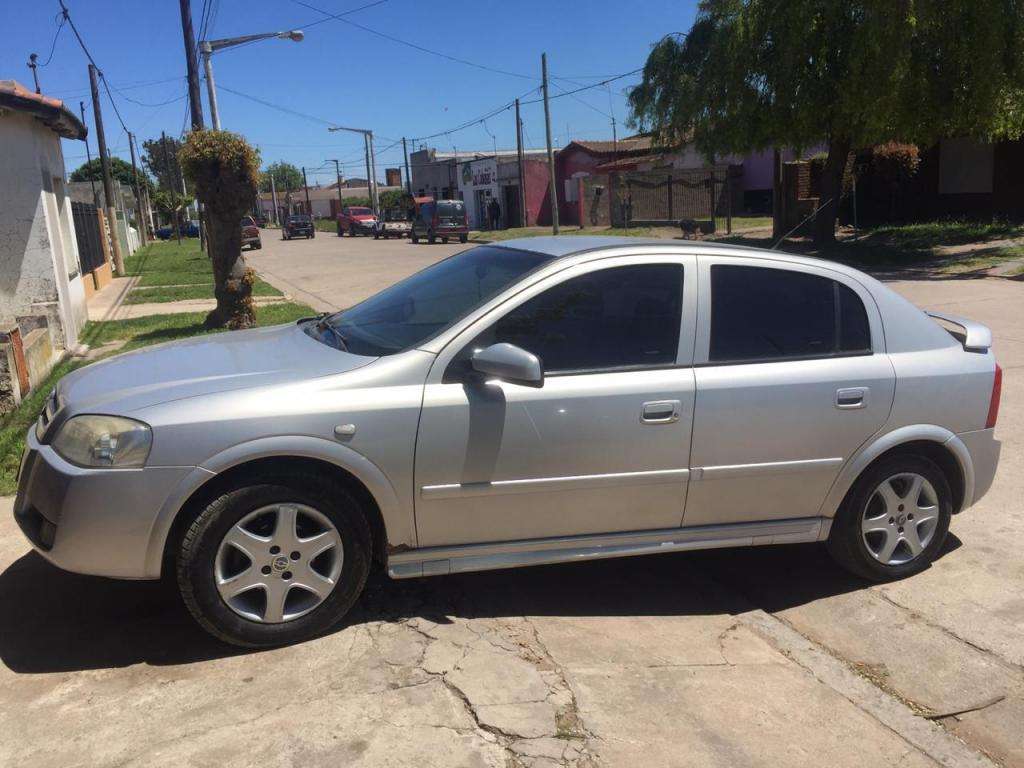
616,318
764,313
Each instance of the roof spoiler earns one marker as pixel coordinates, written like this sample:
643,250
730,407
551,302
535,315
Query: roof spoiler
975,337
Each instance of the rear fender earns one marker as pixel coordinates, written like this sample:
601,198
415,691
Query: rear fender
872,450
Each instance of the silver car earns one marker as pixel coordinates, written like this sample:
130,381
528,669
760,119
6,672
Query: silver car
539,401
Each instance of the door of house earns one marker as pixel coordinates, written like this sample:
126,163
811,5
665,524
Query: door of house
511,207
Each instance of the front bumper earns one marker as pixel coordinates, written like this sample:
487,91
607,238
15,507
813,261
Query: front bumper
92,521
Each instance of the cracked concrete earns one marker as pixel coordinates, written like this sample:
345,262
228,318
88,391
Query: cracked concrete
661,661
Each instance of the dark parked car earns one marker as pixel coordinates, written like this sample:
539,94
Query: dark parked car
298,225
440,219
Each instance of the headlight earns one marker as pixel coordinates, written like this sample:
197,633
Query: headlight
104,441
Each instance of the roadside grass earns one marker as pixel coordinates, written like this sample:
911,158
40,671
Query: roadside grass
987,258
171,272
136,332
146,295
896,247
326,225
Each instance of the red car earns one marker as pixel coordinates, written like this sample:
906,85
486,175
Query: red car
356,220
251,233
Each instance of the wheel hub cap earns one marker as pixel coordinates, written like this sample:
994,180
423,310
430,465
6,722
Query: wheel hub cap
278,563
900,518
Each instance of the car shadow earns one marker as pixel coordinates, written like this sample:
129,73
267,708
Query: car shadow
53,621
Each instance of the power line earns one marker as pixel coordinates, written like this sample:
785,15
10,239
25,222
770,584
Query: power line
414,46
53,45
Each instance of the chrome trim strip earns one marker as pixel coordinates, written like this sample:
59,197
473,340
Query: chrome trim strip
433,561
767,468
531,485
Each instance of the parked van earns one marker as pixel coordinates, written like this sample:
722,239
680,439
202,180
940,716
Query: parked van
439,219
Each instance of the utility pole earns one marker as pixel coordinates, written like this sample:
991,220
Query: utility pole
522,172
32,65
373,177
305,185
195,102
337,175
273,198
369,178
211,88
108,187
138,194
551,154
408,178
88,157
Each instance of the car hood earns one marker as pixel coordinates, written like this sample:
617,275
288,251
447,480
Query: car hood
201,366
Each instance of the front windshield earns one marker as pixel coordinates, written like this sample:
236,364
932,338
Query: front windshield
359,211
409,312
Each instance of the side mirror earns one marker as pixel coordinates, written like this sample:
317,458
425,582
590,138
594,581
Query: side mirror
509,363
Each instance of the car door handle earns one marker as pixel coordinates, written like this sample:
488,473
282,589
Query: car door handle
661,412
851,397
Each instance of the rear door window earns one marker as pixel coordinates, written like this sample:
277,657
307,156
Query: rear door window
760,313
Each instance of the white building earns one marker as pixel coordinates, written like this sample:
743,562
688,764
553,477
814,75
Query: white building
42,298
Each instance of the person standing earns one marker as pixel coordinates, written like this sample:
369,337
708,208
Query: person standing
494,212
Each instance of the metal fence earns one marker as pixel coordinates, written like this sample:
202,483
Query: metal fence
667,197
88,235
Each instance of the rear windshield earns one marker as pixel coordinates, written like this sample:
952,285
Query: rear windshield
453,209
248,222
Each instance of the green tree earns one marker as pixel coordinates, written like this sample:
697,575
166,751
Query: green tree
120,170
286,176
170,205
224,171
160,158
757,74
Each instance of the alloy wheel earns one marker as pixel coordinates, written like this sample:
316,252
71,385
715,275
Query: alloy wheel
278,563
900,518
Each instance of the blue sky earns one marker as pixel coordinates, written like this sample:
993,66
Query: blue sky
347,75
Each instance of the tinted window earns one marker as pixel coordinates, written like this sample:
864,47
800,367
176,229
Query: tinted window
764,314
450,209
415,309
359,211
613,318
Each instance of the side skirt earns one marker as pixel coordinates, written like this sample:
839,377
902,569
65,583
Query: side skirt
438,561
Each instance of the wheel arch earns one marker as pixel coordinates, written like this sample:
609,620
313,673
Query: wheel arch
390,524
935,443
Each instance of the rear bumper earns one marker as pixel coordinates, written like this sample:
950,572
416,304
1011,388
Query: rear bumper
92,521
984,451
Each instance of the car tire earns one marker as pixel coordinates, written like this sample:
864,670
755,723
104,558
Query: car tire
376,235
871,517
202,549
257,246
444,240
463,238
414,237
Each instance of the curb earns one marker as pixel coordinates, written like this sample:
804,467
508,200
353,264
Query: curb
926,736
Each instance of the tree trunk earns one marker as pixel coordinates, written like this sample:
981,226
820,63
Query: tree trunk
232,280
831,191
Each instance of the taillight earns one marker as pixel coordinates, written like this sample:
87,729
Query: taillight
993,404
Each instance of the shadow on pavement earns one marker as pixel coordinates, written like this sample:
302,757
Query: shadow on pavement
53,621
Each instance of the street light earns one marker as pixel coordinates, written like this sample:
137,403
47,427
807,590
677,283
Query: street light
207,47
371,164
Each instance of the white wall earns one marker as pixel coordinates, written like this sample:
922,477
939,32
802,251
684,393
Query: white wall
38,254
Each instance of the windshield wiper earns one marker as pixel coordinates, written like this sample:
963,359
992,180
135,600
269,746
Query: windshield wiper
322,325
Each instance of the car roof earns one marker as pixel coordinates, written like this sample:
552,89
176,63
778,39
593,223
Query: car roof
566,246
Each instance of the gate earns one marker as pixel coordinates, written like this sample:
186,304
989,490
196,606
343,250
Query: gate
667,197
88,235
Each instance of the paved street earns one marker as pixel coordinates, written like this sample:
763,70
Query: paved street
330,272
762,657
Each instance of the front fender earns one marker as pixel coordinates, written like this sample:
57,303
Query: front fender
398,523
880,444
